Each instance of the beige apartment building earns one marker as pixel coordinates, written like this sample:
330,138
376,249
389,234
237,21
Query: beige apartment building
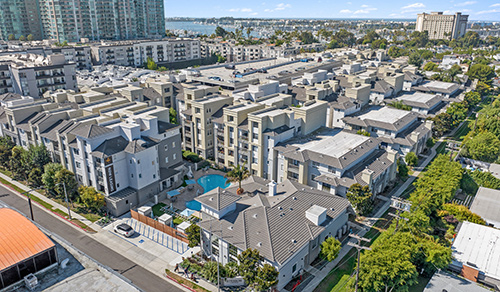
440,26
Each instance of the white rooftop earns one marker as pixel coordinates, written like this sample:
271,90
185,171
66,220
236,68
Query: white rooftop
478,245
385,114
417,97
333,143
439,84
271,113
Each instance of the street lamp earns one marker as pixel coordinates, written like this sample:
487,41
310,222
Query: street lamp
29,200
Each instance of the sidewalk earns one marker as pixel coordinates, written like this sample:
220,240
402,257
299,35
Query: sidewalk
368,222
55,205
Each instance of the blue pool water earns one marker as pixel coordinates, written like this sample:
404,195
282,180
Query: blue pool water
193,205
212,181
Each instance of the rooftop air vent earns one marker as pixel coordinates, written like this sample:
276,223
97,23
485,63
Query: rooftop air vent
254,216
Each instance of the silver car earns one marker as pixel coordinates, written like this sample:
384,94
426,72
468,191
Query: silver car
124,229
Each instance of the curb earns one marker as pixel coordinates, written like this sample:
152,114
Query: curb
172,279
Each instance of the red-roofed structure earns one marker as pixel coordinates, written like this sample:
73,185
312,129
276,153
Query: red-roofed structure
24,249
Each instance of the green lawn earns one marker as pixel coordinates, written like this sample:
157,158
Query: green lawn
156,209
337,277
177,220
422,282
462,131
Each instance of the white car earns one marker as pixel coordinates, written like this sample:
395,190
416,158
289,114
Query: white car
124,229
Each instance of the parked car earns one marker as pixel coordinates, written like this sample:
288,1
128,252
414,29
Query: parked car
300,69
284,72
305,60
230,66
216,78
262,70
124,229
273,77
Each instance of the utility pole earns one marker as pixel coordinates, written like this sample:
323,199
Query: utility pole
359,247
67,202
28,193
401,205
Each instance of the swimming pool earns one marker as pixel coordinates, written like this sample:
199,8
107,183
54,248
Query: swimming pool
212,181
193,205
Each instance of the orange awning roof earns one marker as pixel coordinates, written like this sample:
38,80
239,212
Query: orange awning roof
19,238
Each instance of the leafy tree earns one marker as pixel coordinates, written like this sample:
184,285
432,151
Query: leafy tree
267,277
172,115
454,71
442,124
209,271
17,163
193,234
22,38
6,146
307,37
388,266
430,143
35,177
486,179
360,198
38,156
400,105
344,37
396,52
11,37
238,174
333,44
482,88
91,198
219,31
431,66
48,177
483,146
482,72
330,248
458,112
415,59
231,269
249,261
30,38
472,98
426,55
220,58
411,159
462,213
66,179
249,31
363,132
151,64
402,170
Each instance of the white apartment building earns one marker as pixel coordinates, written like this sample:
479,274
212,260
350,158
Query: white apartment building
33,75
136,53
125,149
440,26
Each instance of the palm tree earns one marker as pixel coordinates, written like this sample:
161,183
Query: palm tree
249,31
238,174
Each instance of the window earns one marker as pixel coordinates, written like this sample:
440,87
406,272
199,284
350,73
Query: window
294,268
166,159
78,164
166,147
230,118
76,151
132,175
197,110
154,175
173,144
140,175
316,164
174,156
130,161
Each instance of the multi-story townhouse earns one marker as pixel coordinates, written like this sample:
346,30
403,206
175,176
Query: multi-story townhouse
197,125
332,160
399,130
285,222
127,150
33,75
5,79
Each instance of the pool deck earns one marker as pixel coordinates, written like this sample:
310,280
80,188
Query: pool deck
189,195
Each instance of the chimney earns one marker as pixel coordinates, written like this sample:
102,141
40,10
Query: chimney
392,155
428,124
366,176
272,188
414,136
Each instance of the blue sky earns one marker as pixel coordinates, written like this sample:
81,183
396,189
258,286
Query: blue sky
476,9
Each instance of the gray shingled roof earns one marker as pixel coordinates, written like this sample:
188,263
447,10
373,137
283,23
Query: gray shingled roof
487,205
382,86
90,131
139,145
110,147
343,102
276,226
218,198
432,102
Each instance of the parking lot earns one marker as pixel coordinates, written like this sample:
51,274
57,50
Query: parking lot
148,247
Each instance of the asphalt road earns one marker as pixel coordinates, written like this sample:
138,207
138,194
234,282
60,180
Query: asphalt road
141,277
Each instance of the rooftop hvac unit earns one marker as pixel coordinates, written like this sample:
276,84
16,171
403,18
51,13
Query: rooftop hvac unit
31,281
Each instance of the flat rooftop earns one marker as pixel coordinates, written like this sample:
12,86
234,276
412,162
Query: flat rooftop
479,245
440,84
209,99
333,143
385,114
269,113
417,97
241,107
487,204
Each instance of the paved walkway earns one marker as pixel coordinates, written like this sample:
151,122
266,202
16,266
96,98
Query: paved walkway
51,202
368,222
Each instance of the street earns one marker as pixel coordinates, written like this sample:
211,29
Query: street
141,277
